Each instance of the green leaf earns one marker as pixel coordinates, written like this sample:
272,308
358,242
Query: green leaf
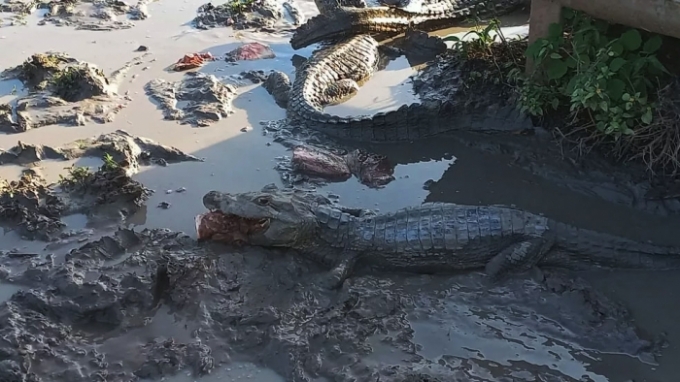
555,56
616,64
625,97
452,38
555,69
631,39
570,61
604,105
615,88
617,47
647,117
533,49
555,31
653,44
555,103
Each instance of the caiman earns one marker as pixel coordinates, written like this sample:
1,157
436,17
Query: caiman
336,73
429,238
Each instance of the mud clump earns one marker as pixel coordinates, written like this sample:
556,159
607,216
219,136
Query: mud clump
119,146
34,208
84,15
198,99
62,90
245,14
278,85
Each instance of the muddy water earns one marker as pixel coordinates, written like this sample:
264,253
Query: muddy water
445,170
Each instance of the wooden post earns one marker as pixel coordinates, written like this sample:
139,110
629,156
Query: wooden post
543,13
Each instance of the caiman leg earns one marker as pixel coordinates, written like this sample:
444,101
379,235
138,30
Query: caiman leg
340,272
516,258
520,257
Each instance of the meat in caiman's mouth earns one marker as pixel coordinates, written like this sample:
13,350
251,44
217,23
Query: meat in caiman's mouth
227,228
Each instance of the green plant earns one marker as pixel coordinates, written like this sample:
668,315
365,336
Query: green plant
607,80
75,175
482,39
240,6
109,163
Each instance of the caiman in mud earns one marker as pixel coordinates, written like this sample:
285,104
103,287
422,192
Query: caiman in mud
335,73
430,238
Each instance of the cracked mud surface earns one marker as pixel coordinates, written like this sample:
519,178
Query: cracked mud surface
198,99
61,90
79,320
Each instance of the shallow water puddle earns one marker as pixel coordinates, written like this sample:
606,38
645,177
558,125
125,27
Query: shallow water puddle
235,372
7,290
387,90
10,89
499,342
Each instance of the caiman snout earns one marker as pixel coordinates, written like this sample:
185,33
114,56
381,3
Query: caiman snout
215,200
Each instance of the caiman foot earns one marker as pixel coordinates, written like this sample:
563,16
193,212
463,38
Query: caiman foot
335,278
340,91
519,257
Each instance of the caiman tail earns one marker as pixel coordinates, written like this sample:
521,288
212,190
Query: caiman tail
333,73
611,251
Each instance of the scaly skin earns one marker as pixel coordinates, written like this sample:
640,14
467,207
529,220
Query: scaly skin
343,21
432,237
335,73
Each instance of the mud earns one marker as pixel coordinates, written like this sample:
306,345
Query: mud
33,209
62,90
266,15
83,316
83,15
198,99
127,150
278,85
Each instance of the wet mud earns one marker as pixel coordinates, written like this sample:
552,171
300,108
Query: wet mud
264,15
238,305
61,90
198,99
119,146
158,305
34,208
82,15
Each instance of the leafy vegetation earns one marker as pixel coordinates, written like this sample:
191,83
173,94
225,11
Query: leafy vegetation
78,175
604,85
239,6
606,80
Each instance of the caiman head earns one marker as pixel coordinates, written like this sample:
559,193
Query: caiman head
282,218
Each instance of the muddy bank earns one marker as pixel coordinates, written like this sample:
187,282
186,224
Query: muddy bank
34,208
86,316
82,15
198,99
264,15
62,90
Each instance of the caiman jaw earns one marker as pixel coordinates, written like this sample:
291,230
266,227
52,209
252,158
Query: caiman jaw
264,223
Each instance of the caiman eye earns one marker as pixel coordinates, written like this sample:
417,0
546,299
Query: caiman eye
262,200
